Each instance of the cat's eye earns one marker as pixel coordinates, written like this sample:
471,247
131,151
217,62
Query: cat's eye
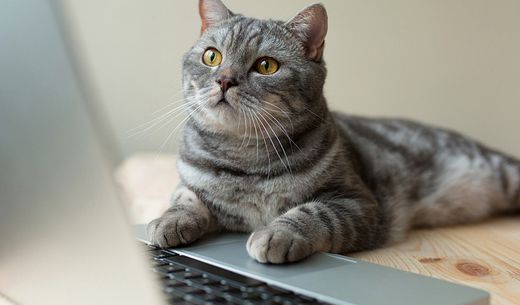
266,65
212,57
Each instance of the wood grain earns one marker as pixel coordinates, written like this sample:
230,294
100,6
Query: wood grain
484,255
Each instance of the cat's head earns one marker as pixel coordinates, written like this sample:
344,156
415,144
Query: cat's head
245,72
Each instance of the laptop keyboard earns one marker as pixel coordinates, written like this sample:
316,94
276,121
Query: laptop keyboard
189,281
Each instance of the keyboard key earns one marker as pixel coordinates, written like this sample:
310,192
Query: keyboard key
174,293
175,299
173,283
188,290
185,275
207,268
157,253
158,263
189,281
264,302
266,295
245,295
202,281
285,299
224,288
167,269
209,298
232,299
180,302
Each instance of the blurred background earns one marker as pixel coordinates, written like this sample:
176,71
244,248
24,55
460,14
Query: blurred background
450,63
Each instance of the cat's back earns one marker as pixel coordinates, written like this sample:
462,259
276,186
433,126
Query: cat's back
402,136
375,137
397,156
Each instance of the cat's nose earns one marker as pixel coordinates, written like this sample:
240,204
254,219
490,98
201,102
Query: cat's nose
226,82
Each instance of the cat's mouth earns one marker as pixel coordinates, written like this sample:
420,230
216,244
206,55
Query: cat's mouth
226,100
222,102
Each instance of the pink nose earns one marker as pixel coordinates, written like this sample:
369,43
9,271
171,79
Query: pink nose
226,82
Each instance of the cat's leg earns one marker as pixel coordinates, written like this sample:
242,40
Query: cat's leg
187,220
336,225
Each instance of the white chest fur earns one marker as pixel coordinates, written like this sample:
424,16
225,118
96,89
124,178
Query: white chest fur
255,199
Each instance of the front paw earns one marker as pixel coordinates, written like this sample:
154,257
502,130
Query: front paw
277,245
176,228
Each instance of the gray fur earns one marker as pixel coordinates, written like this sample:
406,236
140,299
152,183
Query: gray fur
273,160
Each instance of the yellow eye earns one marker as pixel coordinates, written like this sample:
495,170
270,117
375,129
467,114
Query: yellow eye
266,65
212,57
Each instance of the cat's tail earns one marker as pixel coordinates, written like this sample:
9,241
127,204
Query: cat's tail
508,171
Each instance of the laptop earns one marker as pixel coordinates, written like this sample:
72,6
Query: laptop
64,235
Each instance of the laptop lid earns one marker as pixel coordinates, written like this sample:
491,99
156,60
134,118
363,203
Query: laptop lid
64,238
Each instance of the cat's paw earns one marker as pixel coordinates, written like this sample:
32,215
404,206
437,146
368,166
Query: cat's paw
277,245
176,228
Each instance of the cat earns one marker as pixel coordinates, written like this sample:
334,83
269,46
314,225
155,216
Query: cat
262,153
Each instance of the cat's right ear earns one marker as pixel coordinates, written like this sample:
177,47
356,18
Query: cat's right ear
310,26
212,12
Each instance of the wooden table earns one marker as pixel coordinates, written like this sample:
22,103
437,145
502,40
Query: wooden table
484,255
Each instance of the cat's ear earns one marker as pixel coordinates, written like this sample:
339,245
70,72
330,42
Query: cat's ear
211,12
310,26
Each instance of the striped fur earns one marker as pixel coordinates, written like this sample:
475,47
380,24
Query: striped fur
274,161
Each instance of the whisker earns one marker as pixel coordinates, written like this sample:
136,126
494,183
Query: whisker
245,131
285,113
271,140
288,166
174,103
165,118
256,132
182,100
201,104
250,128
238,124
168,116
279,124
319,117
281,110
159,117
265,143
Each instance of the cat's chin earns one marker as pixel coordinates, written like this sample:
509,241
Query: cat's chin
220,117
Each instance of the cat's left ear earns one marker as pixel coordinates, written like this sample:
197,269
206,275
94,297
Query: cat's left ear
211,12
310,26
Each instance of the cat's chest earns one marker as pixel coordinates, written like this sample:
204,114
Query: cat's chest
243,202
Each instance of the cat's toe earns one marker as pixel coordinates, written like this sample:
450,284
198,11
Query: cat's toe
189,230
173,230
277,246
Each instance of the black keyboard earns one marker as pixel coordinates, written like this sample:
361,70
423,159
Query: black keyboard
189,281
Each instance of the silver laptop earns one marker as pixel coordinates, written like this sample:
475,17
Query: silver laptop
64,236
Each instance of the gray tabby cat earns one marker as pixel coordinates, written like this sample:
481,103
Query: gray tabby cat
262,153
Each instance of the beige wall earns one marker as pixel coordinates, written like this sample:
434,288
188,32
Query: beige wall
450,63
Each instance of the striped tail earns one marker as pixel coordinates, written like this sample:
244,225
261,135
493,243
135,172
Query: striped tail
508,170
